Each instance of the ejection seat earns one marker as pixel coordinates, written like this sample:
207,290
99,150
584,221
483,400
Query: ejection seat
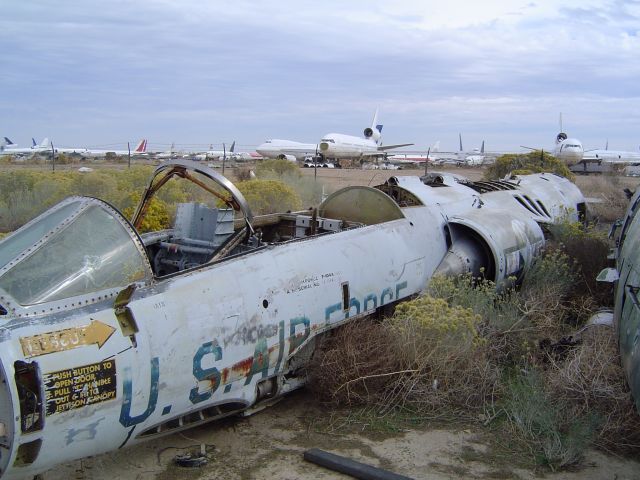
198,233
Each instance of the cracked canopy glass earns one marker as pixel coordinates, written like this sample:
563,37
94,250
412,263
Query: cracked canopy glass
93,253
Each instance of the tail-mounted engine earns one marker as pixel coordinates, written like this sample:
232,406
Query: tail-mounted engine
372,133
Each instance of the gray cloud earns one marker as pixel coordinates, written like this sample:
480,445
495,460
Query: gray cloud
207,72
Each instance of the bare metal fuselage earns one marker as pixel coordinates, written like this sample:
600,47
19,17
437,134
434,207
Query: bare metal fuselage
96,372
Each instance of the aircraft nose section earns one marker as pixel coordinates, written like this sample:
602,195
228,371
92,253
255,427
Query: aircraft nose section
573,156
324,146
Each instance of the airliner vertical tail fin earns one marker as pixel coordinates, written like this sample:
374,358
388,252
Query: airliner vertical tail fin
141,147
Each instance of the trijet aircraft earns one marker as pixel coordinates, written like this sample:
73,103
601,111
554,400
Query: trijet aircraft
111,335
338,145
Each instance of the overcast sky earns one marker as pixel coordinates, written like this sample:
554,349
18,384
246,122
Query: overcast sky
199,72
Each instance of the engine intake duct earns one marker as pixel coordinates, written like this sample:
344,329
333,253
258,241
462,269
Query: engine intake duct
499,248
467,255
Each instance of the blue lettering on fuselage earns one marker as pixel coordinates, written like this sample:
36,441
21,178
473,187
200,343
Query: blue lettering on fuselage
260,364
212,374
127,395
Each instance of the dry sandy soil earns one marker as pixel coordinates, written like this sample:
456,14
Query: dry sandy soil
270,444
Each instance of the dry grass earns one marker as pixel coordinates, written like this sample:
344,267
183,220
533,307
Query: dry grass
354,365
447,363
505,358
590,381
609,190
411,361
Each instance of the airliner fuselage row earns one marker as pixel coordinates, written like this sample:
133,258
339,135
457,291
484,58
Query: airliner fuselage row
46,146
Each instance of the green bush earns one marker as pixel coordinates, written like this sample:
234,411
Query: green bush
500,310
267,168
443,355
521,164
269,196
158,216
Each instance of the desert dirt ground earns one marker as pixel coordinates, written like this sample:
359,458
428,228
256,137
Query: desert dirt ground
270,444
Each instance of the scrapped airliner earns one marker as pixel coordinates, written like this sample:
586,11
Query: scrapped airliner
611,156
10,148
7,143
415,159
140,149
477,158
227,154
568,150
473,158
70,150
112,335
288,149
171,153
213,154
338,145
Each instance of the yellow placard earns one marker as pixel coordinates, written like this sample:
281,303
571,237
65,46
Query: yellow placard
80,386
59,341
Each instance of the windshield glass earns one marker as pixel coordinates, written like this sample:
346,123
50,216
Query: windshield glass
24,238
95,252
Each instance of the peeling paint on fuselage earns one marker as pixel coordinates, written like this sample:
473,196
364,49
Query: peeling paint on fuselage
208,336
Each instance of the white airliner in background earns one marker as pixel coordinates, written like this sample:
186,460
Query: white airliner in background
415,158
611,156
10,148
229,154
7,143
140,149
171,153
477,158
338,145
212,154
569,150
45,146
70,150
287,149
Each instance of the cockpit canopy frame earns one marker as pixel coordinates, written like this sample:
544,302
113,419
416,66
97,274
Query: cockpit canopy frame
80,251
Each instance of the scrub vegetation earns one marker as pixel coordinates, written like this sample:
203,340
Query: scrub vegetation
522,164
26,193
308,190
521,363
